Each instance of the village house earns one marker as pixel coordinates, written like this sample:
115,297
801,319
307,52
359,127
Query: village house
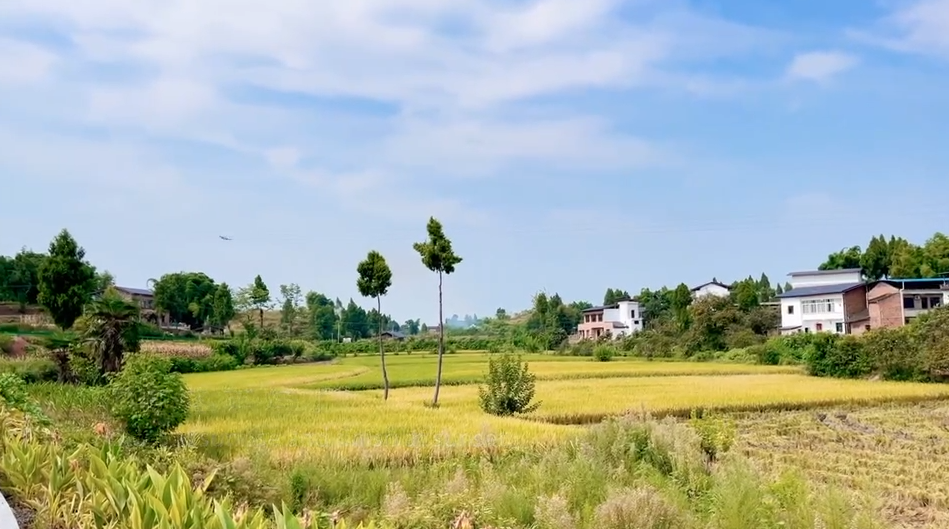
841,302
146,302
616,320
712,288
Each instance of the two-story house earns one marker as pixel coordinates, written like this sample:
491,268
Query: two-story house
616,320
146,302
823,301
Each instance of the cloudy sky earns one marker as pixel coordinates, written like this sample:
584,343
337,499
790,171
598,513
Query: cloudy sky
566,145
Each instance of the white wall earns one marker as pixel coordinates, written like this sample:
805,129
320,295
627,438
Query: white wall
825,278
828,320
712,290
790,320
628,313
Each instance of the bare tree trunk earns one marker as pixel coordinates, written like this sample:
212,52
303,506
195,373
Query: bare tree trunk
441,341
382,352
261,318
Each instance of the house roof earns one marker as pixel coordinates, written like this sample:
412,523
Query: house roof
825,272
719,283
136,291
803,292
619,325
394,334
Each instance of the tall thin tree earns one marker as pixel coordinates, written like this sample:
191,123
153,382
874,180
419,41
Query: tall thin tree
374,281
438,256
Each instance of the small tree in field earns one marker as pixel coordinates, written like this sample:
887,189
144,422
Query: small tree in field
438,256
66,281
260,297
509,386
374,281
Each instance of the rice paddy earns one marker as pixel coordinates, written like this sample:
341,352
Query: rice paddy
300,413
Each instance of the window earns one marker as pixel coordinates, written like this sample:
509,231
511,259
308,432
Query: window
817,306
935,302
790,309
632,313
840,328
635,322
909,303
818,326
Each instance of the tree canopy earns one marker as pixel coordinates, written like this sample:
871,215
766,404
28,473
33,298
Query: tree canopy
66,280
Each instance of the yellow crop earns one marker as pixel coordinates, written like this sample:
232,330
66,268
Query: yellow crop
179,349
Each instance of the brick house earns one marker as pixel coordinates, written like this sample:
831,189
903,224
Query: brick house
146,302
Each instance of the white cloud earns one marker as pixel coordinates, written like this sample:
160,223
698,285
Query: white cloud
920,26
23,63
451,71
820,65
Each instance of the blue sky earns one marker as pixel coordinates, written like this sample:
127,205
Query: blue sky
567,146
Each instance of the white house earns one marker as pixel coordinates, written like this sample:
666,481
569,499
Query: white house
617,320
822,301
712,288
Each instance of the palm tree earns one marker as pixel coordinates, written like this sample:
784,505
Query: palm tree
113,330
59,345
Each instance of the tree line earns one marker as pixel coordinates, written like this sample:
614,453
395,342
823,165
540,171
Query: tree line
894,258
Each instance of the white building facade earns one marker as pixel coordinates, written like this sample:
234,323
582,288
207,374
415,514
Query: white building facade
616,320
815,302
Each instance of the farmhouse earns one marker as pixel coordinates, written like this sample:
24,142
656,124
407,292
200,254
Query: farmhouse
712,288
616,320
393,335
146,301
841,302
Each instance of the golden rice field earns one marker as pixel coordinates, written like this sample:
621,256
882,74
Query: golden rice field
297,413
180,349
898,454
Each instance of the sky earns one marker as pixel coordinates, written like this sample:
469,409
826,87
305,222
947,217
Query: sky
566,146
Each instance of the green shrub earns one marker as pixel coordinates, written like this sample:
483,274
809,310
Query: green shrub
831,355
84,368
30,369
765,353
217,362
603,353
14,395
148,398
6,344
932,335
894,353
509,386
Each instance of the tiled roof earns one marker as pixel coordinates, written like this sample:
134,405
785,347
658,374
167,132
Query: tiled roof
838,288
136,291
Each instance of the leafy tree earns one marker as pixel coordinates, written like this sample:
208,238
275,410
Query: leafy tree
290,311
19,277
374,281
787,286
260,297
680,301
765,292
186,297
778,290
746,294
935,256
876,259
104,280
438,256
509,386
355,321
614,296
113,330
322,316
845,258
222,308
905,259
66,281
412,327
501,314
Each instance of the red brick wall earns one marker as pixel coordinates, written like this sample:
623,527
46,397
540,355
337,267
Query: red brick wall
886,306
855,303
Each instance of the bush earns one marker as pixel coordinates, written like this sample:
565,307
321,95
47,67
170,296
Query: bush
932,334
509,386
831,355
13,394
765,354
30,370
6,344
230,348
84,368
894,353
603,353
148,398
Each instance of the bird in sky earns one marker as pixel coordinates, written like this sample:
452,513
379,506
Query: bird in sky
224,238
